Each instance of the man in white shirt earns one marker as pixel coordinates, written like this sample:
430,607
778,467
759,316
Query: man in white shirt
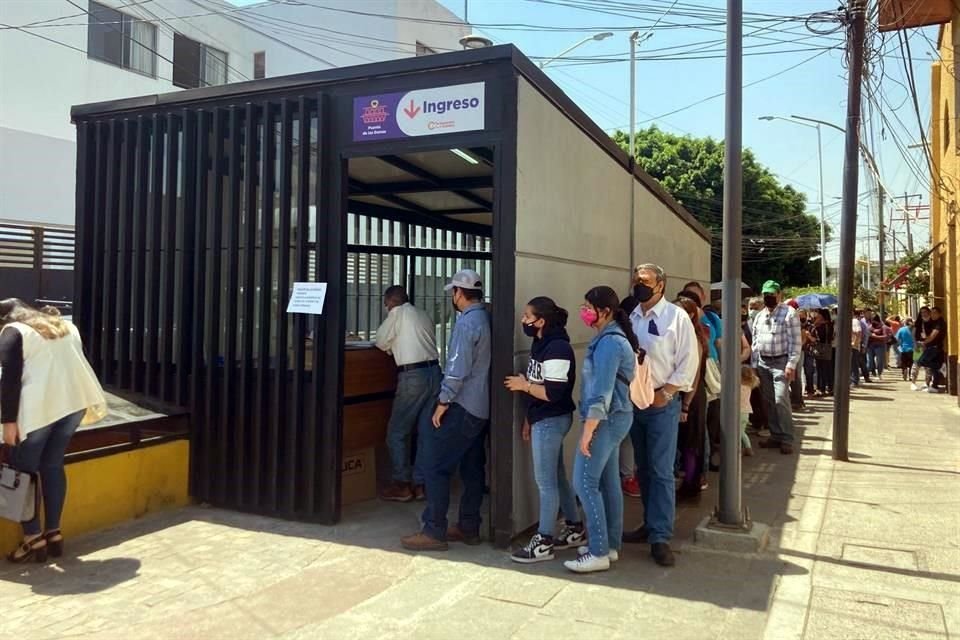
665,332
408,334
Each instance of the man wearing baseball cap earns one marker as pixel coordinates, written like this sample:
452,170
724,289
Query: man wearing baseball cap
455,437
777,345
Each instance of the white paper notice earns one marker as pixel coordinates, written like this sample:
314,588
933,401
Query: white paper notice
307,297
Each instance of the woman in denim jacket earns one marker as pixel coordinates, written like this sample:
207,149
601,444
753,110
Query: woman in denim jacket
607,415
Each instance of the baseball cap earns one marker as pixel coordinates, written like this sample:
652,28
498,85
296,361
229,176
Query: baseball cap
465,279
771,286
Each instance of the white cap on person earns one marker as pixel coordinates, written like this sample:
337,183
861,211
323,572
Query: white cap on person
465,279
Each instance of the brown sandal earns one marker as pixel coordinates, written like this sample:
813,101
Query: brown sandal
35,550
54,542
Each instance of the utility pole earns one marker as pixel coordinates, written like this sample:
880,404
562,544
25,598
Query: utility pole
856,26
882,241
634,38
730,513
823,223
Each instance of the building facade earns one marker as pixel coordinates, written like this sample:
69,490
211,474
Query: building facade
945,189
57,53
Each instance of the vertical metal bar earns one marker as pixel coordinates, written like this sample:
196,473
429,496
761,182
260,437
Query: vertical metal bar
326,433
109,322
848,231
139,258
369,294
124,298
265,285
731,510
94,304
246,430
203,351
294,445
83,201
155,225
229,435
279,417
189,340
169,265
213,470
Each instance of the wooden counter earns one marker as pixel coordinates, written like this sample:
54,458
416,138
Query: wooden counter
369,382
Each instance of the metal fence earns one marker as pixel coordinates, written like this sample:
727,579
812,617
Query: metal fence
381,253
36,264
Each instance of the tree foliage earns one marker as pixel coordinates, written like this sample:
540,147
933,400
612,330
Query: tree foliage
779,237
917,281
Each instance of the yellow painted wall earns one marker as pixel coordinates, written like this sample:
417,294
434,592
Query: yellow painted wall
105,491
945,189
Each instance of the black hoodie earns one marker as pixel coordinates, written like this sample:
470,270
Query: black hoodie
553,365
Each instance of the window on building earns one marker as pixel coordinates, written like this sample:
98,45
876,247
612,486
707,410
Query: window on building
259,65
196,64
424,50
119,39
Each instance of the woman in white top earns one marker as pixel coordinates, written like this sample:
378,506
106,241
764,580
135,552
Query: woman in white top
47,389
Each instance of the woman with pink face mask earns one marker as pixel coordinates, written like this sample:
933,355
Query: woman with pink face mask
607,414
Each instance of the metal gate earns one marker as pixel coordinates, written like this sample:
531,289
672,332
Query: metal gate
192,225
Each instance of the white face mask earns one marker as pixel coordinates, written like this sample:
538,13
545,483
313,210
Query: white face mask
753,313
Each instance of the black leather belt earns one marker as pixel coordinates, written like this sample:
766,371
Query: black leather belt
782,355
417,365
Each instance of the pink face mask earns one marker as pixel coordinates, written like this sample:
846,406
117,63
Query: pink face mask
589,317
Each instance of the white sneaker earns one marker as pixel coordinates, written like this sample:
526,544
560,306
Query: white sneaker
613,554
914,387
588,564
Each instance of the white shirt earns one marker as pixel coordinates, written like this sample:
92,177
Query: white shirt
408,334
57,381
673,351
856,333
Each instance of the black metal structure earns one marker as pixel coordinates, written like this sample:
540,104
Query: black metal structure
36,264
198,210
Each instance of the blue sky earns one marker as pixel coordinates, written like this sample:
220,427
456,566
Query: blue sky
815,88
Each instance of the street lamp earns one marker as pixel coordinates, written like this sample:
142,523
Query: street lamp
823,225
474,41
598,37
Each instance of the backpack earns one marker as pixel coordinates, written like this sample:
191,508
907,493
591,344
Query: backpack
640,387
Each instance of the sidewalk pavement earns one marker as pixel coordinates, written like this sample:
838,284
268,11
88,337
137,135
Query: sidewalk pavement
865,549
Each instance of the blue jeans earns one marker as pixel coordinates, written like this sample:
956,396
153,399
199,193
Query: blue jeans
597,480
776,393
458,442
550,473
654,434
43,452
876,358
415,400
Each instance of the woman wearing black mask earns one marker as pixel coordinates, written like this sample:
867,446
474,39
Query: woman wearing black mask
549,382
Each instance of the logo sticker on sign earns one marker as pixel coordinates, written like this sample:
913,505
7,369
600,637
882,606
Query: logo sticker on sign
423,112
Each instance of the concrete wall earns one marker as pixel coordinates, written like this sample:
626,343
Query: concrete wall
41,79
573,221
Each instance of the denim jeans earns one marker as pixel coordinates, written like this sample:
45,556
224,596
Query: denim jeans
654,435
809,370
876,358
458,442
776,393
597,480
550,473
414,401
43,452
855,366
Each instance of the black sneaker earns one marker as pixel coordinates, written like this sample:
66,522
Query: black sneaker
662,554
539,549
571,537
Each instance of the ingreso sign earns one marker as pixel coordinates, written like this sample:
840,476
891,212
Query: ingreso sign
423,112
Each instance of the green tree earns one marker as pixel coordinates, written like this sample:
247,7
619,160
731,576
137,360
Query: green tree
779,237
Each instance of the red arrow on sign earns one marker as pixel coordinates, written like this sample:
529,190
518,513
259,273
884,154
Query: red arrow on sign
412,110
